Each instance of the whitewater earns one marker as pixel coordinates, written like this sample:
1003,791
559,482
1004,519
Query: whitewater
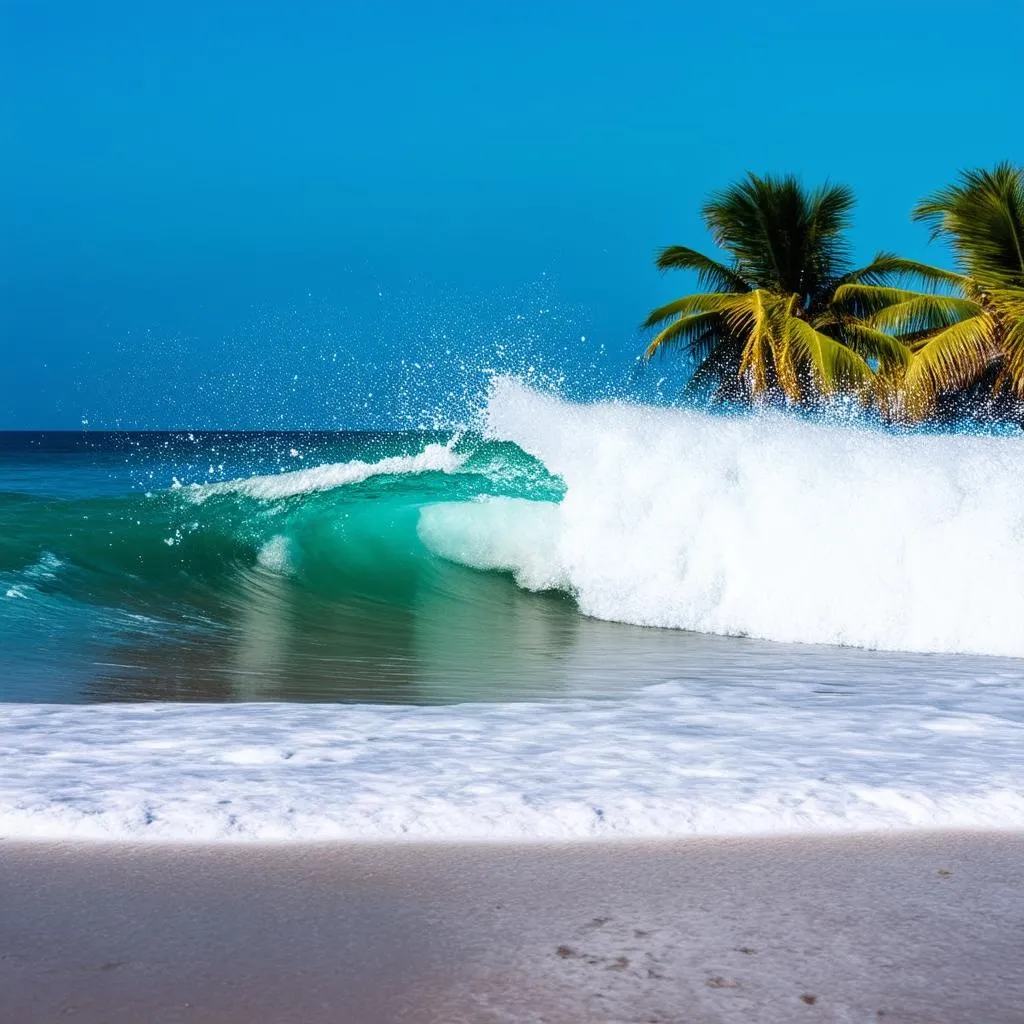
837,642
436,457
764,526
712,758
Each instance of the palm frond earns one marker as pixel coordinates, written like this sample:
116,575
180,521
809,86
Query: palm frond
871,343
982,215
1012,372
875,272
832,365
695,333
710,273
924,313
1008,302
887,268
951,359
752,319
699,302
865,300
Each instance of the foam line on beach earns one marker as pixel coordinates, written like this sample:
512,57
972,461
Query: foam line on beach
675,760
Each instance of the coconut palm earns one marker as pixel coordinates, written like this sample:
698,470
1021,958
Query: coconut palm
965,332
767,322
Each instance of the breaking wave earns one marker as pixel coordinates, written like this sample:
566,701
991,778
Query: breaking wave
761,525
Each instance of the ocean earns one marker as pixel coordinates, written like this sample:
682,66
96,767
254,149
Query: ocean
564,620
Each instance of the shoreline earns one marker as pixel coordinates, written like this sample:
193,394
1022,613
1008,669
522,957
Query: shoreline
343,845
921,926
693,757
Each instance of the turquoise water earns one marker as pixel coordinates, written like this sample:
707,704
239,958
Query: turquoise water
196,566
563,550
623,621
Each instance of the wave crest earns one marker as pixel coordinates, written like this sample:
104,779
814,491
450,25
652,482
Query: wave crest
440,458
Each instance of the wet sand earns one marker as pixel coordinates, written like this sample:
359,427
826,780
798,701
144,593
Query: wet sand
899,928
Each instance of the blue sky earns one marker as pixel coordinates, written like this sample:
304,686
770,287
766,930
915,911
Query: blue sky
336,214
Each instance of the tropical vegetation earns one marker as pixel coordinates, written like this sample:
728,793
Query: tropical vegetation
784,315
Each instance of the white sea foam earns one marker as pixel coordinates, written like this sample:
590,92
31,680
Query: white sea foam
434,458
506,534
275,555
705,756
761,525
45,568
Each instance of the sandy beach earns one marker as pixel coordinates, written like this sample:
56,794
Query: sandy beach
896,928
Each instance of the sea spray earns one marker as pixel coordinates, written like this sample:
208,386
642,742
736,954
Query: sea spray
761,525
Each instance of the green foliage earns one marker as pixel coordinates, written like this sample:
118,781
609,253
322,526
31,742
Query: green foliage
768,318
969,335
785,313
982,216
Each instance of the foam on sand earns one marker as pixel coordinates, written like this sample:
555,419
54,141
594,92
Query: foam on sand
680,759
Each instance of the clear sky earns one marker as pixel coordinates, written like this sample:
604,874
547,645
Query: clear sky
252,214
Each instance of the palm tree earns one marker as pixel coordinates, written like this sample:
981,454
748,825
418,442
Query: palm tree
965,333
767,322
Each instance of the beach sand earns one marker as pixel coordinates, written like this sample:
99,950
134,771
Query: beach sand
894,928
